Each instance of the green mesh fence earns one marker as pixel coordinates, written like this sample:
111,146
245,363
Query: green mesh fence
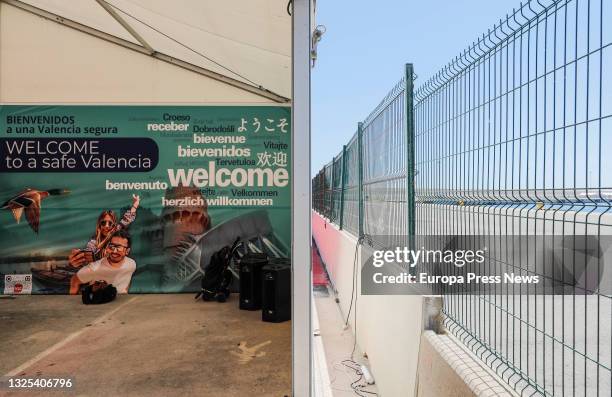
510,138
336,205
384,170
350,216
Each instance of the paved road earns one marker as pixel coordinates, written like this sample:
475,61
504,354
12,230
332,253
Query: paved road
145,345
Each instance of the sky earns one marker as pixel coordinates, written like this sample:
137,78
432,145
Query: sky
366,45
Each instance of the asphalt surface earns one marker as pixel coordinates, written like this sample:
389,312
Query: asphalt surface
144,345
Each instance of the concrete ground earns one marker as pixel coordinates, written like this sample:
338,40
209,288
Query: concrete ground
337,345
144,345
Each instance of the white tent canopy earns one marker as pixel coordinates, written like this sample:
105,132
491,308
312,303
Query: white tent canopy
243,43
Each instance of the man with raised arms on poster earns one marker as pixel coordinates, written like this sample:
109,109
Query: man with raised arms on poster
114,268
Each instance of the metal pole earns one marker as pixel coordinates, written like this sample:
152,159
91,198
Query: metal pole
342,184
331,191
409,92
360,163
109,8
300,202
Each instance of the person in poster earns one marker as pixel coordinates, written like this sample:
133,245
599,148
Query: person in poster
106,227
114,268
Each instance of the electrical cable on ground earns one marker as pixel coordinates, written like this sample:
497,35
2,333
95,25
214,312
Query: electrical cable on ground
357,386
359,241
355,295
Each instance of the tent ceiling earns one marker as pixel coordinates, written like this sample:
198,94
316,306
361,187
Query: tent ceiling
249,41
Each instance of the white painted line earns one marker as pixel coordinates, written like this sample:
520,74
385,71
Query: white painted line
322,384
69,338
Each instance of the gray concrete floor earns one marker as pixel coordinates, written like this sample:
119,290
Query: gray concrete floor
338,344
144,345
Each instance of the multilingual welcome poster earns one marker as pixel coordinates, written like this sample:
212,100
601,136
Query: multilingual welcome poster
179,182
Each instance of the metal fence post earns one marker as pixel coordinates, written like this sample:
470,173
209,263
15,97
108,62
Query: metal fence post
342,184
331,192
409,92
360,173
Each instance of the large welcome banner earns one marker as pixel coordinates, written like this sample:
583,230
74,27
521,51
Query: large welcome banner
181,182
